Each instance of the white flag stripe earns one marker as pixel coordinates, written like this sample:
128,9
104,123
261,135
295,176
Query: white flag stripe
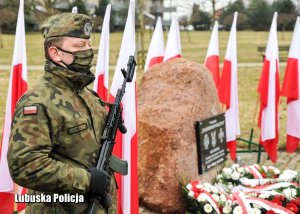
20,47
129,103
213,47
173,47
19,57
123,57
157,44
102,66
232,114
293,116
268,127
295,44
293,113
178,37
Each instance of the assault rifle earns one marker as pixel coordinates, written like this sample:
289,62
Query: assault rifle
107,161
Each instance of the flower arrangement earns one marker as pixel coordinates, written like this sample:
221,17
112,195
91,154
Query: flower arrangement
204,198
244,189
231,176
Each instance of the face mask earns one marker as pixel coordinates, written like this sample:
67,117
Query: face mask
82,61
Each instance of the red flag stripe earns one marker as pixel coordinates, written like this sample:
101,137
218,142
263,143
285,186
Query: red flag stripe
228,90
271,144
269,90
134,167
7,203
225,84
231,145
212,63
129,111
102,91
290,87
263,89
174,57
173,46
271,148
102,67
134,177
156,47
118,152
19,86
156,60
2,140
292,143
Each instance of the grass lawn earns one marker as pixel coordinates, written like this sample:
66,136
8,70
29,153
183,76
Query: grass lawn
193,49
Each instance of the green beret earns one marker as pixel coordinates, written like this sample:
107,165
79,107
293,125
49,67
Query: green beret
67,24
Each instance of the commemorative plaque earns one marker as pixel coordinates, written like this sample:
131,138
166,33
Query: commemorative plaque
211,142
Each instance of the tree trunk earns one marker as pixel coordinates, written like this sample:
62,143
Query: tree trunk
142,57
188,34
214,10
283,30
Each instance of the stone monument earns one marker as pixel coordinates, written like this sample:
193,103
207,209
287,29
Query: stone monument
171,97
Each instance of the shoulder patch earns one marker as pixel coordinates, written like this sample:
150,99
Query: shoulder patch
30,110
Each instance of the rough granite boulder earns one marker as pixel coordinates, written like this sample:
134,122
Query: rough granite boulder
171,97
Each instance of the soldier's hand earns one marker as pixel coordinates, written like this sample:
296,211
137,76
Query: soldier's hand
100,182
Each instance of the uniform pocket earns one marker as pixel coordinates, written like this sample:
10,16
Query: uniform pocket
77,128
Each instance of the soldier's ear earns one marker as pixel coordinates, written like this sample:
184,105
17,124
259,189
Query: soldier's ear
54,54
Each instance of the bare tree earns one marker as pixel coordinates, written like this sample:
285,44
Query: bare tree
184,21
45,8
284,19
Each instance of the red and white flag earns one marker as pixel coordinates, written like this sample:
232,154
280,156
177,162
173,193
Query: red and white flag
269,90
291,89
173,47
228,91
102,67
157,46
17,87
126,146
212,56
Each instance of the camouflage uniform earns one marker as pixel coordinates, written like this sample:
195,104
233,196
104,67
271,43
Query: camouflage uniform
55,138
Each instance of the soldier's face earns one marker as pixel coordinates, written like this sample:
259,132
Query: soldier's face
73,44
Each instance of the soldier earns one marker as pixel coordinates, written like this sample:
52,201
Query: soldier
57,125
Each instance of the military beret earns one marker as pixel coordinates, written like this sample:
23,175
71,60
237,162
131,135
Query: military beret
67,24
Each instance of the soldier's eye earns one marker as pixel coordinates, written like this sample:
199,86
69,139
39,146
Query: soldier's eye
80,45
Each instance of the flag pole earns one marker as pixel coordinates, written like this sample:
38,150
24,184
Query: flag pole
255,110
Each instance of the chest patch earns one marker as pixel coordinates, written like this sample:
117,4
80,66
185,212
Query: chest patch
30,110
78,128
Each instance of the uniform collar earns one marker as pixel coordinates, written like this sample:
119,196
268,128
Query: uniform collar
65,78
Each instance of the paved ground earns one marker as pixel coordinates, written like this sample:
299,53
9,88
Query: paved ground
285,161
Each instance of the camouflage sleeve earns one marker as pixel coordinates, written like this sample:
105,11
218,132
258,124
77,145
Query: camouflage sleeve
29,158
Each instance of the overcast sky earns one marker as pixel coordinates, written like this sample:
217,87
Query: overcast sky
185,7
